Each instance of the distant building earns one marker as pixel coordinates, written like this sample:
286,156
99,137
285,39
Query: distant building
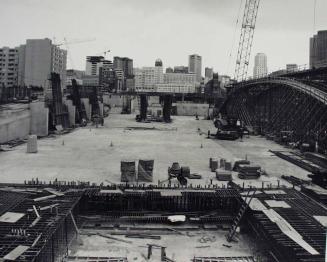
74,74
224,80
208,74
318,50
180,78
90,80
278,72
125,64
93,65
195,66
181,69
213,88
138,77
30,64
151,77
292,68
260,66
119,80
169,70
38,58
146,78
107,76
9,66
175,88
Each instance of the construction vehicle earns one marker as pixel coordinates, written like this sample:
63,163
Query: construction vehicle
181,173
228,129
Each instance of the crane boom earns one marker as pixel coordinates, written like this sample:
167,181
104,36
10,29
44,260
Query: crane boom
246,38
76,41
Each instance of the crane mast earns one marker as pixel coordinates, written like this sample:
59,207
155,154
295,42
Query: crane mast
246,39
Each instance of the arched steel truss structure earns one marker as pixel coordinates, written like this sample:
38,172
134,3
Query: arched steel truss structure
275,105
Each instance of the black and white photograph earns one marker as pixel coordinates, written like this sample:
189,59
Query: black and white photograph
163,130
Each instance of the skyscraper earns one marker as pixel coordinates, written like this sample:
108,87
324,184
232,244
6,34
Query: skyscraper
260,65
318,50
195,66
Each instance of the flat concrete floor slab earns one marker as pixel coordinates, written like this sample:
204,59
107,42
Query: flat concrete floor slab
181,248
86,153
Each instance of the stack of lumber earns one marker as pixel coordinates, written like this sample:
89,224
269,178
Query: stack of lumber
223,175
240,162
249,172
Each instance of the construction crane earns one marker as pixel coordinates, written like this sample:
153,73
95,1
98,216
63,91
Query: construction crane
104,53
76,41
246,38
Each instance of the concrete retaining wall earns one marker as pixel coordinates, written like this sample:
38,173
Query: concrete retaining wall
191,109
15,125
113,100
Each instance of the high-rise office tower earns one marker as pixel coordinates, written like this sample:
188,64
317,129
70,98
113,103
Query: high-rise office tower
195,66
260,65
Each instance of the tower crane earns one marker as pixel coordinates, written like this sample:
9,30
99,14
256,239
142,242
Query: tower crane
246,39
68,43
75,41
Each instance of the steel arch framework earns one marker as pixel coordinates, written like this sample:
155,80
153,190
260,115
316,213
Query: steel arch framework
277,105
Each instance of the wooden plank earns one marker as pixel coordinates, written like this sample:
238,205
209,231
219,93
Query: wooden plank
11,217
54,192
44,198
15,253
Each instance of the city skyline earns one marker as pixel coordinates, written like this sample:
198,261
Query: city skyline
285,40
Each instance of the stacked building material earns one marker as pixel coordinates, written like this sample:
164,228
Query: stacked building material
127,169
222,163
240,162
228,165
249,172
145,170
214,164
32,144
318,159
223,175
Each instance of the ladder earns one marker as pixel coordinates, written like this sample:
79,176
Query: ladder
241,212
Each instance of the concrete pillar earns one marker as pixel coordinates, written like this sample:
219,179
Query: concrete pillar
71,112
39,123
88,108
101,108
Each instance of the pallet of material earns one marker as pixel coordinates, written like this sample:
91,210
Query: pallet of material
145,170
249,172
240,162
128,172
249,175
223,175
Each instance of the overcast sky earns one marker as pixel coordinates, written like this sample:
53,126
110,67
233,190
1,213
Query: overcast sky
168,29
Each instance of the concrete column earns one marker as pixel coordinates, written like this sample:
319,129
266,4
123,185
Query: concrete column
71,112
39,123
88,108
